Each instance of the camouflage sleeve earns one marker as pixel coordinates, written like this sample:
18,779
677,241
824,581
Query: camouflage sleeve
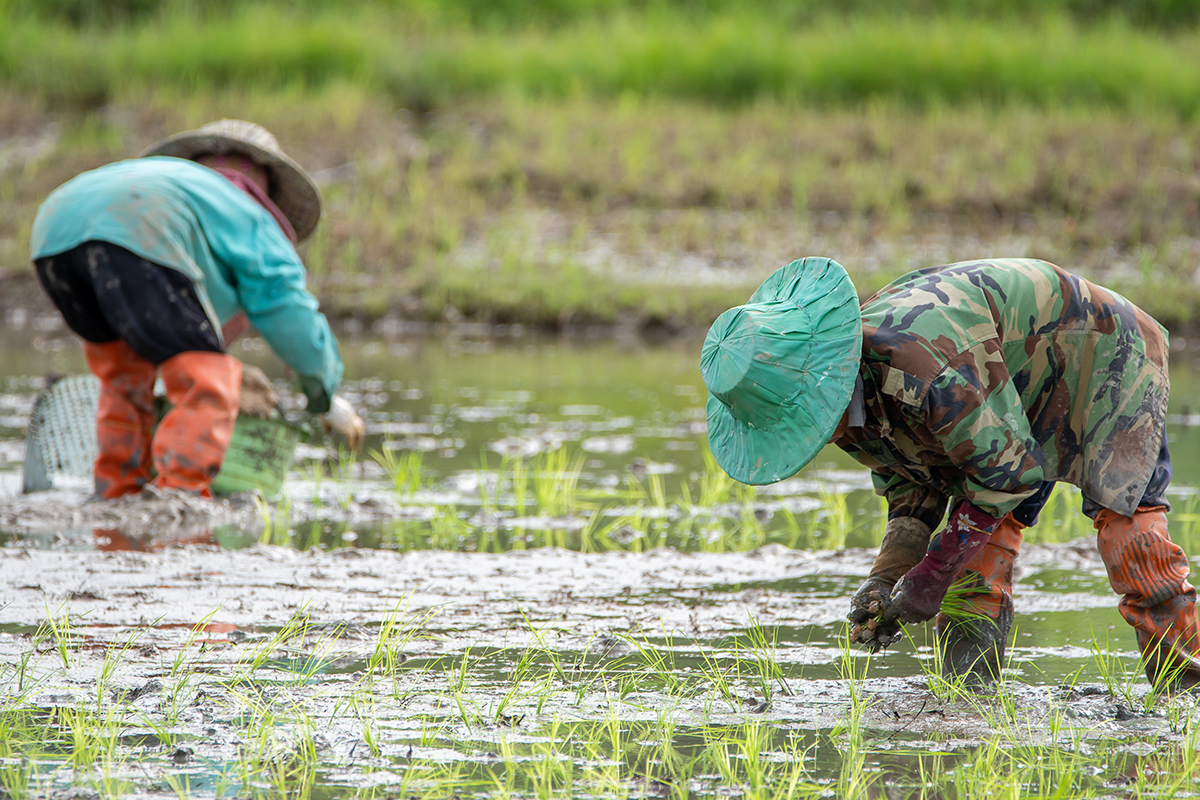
974,410
908,499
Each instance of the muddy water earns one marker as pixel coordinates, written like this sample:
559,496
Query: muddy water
422,641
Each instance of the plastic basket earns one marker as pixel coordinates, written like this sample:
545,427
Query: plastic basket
258,457
62,442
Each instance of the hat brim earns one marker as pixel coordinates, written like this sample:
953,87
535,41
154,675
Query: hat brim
762,455
292,189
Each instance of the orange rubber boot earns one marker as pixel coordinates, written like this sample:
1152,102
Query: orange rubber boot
1151,572
192,438
974,634
124,417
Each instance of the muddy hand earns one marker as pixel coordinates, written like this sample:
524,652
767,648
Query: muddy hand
257,398
867,607
918,595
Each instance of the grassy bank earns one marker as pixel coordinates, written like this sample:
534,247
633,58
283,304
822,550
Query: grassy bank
579,211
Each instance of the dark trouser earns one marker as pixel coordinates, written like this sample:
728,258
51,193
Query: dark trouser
1155,495
107,293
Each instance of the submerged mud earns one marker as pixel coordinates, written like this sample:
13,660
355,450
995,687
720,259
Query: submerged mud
379,668
469,600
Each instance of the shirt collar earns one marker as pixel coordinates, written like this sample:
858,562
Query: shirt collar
856,412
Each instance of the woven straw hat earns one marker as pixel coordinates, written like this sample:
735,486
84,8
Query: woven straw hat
780,370
291,187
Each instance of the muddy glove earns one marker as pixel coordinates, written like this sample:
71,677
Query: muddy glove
918,595
904,543
257,398
343,419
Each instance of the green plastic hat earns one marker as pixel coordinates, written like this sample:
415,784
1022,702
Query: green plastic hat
780,370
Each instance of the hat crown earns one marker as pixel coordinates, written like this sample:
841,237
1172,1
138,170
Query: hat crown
752,356
235,130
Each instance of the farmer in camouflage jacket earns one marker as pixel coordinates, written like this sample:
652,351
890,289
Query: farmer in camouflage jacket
975,386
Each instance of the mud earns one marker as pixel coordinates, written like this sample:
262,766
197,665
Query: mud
194,632
64,517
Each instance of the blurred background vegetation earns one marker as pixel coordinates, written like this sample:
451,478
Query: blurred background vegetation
646,162
519,13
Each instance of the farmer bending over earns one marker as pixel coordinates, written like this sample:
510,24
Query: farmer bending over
154,261
974,386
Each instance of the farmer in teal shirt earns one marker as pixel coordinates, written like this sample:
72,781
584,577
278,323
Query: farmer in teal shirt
157,262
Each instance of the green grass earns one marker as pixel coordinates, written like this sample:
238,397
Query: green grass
661,214
570,162
734,56
508,14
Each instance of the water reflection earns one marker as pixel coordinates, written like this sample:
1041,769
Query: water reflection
115,539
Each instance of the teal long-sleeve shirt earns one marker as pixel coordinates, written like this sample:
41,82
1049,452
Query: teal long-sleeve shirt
185,216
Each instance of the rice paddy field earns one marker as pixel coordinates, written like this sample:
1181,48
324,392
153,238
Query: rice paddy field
533,582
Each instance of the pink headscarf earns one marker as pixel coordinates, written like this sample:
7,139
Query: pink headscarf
252,179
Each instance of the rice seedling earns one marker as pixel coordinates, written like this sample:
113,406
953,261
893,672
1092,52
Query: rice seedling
555,481
748,535
1185,523
1166,681
799,535
267,650
852,779
316,476
22,671
16,774
403,471
275,521
458,681
448,531
61,633
716,487
957,602
1113,670
392,637
86,738
945,685
761,648
521,677
107,784
835,516
113,656
719,674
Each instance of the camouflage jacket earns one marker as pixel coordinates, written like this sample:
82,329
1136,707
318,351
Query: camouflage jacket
985,378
